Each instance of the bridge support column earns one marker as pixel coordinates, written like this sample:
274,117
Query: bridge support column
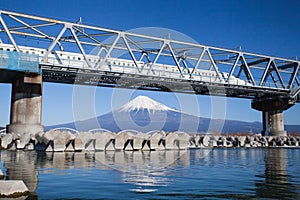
276,123
264,123
272,114
26,105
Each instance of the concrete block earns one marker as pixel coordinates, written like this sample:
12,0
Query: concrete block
172,141
90,146
138,140
157,141
30,146
129,145
6,140
206,141
59,145
47,137
197,140
121,139
79,145
13,188
39,137
183,144
103,140
146,145
70,146
49,147
183,140
138,143
110,146
82,139
24,140
242,141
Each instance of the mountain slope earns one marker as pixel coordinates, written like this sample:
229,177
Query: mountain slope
144,114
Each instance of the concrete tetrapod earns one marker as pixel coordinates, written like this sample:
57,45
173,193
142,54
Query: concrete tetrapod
13,188
183,140
122,141
206,141
6,140
103,140
172,141
84,140
57,140
157,141
23,140
138,141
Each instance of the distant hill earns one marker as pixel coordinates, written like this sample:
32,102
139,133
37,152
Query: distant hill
144,114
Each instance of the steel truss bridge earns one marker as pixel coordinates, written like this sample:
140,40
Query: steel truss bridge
91,51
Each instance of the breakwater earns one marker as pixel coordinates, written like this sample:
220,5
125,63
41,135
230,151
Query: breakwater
58,141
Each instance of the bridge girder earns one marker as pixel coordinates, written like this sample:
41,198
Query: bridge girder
263,75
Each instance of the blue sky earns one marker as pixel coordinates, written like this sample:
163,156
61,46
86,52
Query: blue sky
266,27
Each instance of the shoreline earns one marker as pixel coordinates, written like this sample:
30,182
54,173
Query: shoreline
60,141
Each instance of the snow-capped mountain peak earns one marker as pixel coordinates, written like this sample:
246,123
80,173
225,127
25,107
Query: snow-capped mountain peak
144,102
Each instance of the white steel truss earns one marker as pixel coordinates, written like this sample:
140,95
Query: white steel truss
259,72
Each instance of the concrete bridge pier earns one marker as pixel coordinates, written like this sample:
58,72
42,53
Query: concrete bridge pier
276,123
272,114
26,105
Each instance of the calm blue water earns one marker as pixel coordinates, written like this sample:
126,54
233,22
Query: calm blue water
194,174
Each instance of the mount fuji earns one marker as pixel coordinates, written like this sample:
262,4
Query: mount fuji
144,114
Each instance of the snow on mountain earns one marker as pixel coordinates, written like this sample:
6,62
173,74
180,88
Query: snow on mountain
144,103
144,114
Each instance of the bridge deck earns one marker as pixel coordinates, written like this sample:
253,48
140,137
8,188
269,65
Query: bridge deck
134,60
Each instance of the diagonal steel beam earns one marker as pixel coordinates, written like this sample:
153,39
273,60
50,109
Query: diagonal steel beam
258,61
30,27
247,70
214,64
293,76
134,43
80,47
36,30
130,52
233,67
287,66
273,78
265,74
16,28
157,56
278,74
184,65
54,42
296,92
109,51
174,58
89,36
6,30
198,60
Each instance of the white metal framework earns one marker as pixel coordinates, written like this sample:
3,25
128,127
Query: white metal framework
75,52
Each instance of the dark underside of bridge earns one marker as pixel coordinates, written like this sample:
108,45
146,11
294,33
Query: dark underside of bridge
145,82
164,84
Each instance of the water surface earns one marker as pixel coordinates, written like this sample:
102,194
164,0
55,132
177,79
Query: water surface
192,174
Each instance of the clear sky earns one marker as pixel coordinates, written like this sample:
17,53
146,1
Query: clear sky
266,27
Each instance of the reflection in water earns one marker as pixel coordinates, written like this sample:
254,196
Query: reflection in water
143,169
200,173
21,165
147,170
276,180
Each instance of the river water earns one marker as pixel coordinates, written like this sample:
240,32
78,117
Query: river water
240,173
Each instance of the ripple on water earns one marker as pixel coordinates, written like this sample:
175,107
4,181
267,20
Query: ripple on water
222,173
